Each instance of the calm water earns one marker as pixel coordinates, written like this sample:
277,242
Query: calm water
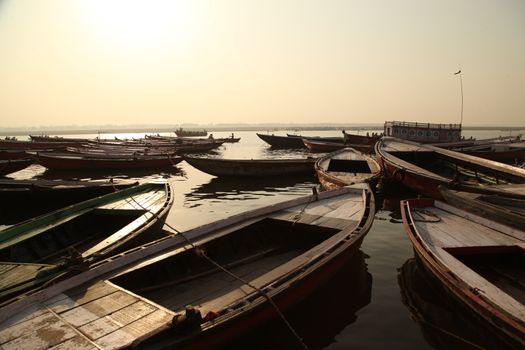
371,304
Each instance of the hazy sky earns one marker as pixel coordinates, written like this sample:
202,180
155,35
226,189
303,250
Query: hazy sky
90,62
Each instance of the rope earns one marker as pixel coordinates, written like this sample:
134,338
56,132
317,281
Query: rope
202,253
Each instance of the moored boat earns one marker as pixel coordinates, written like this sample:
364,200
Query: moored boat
424,167
505,205
277,141
252,167
478,261
14,165
69,240
186,132
287,249
25,199
346,167
71,161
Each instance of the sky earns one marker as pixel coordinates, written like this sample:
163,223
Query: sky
123,62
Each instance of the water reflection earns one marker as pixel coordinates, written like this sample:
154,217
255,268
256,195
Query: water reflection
136,174
234,189
444,322
319,318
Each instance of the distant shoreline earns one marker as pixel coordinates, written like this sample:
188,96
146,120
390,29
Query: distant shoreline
209,128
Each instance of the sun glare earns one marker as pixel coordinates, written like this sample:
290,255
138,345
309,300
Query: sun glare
135,25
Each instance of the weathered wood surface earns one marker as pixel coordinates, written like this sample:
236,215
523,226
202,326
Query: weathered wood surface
98,314
441,227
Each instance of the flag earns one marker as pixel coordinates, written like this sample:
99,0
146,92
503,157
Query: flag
459,71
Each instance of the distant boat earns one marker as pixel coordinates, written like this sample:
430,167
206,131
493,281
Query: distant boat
6,144
423,132
71,161
182,132
424,167
252,167
277,141
346,167
170,295
14,165
47,138
478,261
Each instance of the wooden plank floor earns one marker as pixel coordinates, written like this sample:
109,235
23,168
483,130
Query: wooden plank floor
98,316
453,231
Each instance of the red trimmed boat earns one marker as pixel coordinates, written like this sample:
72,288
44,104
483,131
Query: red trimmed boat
252,167
424,167
284,252
71,161
478,261
346,167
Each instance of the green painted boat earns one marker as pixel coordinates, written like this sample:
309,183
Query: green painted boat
64,242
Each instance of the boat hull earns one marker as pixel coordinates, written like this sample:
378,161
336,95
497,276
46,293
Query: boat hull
470,297
74,162
252,168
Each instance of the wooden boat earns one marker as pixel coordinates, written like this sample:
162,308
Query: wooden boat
286,251
367,139
346,167
70,161
9,154
70,240
35,145
502,152
277,141
505,205
424,167
14,165
47,138
322,146
182,132
423,132
25,199
444,321
252,167
478,261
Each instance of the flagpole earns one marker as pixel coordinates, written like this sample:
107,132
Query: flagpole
461,91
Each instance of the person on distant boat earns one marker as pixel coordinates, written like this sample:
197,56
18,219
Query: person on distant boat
233,136
345,138
210,137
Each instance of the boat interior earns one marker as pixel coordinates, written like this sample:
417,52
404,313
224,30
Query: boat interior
349,166
76,234
457,169
500,265
187,278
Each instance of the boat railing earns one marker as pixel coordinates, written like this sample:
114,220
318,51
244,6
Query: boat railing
424,125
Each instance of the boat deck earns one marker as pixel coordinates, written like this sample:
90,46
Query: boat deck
473,253
99,316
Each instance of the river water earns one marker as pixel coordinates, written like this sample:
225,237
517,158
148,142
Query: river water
371,304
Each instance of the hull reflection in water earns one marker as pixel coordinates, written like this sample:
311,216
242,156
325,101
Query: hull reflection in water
253,188
320,317
443,320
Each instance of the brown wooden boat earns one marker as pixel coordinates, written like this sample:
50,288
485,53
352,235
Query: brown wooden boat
505,205
424,167
252,167
70,161
478,261
14,165
36,145
346,167
140,299
501,152
277,141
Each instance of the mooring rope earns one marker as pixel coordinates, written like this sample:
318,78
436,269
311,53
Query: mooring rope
202,253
